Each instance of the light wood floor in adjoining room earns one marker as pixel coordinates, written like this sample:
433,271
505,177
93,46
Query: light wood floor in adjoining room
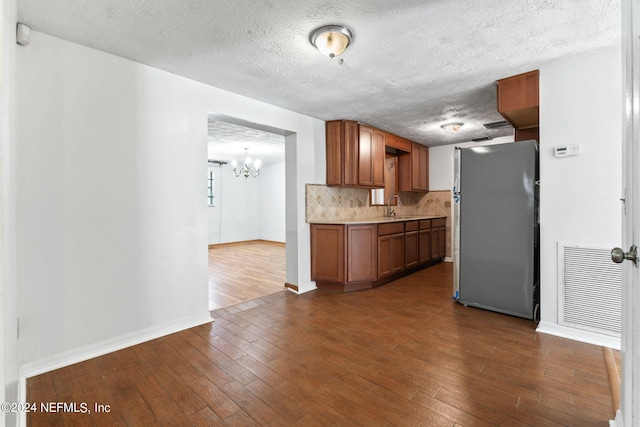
244,271
402,354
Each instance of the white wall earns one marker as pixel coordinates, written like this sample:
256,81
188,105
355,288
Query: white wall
112,224
272,202
236,215
580,103
248,208
441,162
9,359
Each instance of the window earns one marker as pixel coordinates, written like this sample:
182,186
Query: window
210,193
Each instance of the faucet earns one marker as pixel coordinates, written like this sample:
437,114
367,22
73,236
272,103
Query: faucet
389,211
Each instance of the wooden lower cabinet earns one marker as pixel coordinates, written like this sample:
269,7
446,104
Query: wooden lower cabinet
327,249
424,242
390,254
438,239
344,256
350,257
361,253
411,249
438,243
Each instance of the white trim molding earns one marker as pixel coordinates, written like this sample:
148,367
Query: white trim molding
579,335
110,345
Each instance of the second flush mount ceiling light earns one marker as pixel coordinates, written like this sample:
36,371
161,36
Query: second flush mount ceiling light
331,40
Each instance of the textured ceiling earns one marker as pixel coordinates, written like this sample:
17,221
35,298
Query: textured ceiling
227,142
412,65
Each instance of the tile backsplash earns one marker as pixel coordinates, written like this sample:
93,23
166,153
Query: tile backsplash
335,203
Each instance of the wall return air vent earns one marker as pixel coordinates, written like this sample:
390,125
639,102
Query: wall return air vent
590,289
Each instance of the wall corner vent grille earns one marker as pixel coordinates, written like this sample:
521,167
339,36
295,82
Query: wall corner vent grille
496,125
589,289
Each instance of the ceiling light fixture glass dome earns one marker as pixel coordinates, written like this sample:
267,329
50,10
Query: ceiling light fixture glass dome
331,40
452,127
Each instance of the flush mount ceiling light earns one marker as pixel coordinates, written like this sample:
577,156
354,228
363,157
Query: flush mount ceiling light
452,127
331,40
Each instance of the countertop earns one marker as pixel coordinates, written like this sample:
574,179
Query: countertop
375,220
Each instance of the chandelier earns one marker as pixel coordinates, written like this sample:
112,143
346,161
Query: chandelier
247,167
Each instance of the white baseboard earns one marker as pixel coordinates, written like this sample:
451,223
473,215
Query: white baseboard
448,259
579,335
100,348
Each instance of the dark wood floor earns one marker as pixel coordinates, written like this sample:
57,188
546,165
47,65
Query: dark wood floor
244,271
402,354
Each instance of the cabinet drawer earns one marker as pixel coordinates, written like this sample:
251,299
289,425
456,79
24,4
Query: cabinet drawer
393,228
411,226
440,222
425,224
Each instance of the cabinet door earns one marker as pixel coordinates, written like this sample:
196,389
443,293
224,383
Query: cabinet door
384,256
377,158
390,254
334,150
438,243
519,99
327,253
442,243
350,154
420,168
424,246
365,160
434,244
342,153
361,253
411,249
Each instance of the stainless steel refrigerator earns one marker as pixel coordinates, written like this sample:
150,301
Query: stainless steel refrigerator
498,253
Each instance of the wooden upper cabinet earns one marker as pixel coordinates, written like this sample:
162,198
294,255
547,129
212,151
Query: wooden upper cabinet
519,99
342,153
420,171
365,159
413,169
355,155
371,157
377,164
398,143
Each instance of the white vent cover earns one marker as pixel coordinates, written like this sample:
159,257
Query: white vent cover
590,289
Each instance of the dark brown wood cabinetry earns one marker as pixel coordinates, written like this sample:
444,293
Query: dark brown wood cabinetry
390,248
327,244
344,256
361,253
519,103
398,143
358,256
438,239
424,241
342,153
355,155
411,244
413,169
371,157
